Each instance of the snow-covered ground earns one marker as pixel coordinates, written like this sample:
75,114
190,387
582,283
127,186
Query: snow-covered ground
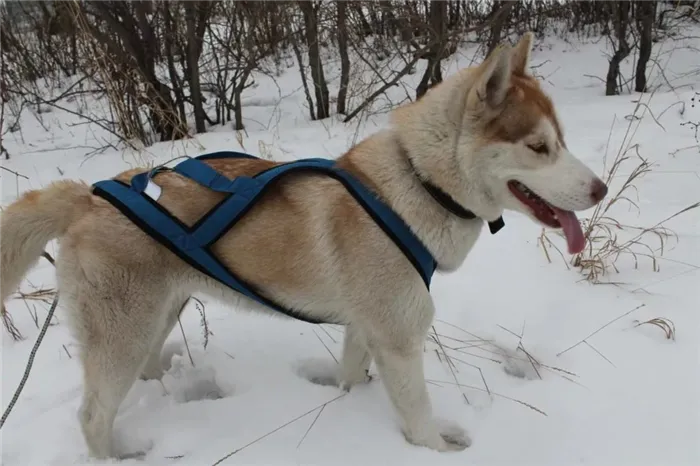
625,396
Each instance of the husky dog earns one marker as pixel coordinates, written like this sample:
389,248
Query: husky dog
487,139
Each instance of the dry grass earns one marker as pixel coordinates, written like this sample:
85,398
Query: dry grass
608,239
126,94
43,295
666,326
9,325
476,354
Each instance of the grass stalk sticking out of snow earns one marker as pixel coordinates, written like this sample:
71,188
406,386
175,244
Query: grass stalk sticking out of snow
666,325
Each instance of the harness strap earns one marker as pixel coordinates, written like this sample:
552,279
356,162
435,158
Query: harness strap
193,244
170,232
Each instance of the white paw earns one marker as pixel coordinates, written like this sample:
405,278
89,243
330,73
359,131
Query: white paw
454,435
440,436
328,373
355,378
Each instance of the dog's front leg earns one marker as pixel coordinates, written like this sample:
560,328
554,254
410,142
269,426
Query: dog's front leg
354,367
401,369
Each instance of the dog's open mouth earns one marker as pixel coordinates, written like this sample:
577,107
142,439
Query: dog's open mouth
551,216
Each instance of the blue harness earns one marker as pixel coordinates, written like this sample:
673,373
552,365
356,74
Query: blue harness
193,244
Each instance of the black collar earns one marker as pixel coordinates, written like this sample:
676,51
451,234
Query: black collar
449,204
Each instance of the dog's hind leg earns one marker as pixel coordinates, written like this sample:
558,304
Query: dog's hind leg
153,369
116,315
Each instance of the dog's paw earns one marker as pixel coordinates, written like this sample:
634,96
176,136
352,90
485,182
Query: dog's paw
347,381
454,436
440,436
129,446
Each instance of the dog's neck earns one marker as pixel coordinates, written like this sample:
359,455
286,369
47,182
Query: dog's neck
443,198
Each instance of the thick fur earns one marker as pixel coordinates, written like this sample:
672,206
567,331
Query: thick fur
307,244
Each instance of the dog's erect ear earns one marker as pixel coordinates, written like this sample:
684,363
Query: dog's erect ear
493,79
521,54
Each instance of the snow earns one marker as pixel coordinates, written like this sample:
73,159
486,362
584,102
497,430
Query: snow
625,396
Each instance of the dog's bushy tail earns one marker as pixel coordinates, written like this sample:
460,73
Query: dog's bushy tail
33,220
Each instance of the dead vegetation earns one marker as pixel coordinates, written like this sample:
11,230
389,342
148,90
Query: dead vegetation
156,70
9,325
667,326
475,355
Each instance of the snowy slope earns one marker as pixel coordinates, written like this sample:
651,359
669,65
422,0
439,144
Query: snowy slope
625,396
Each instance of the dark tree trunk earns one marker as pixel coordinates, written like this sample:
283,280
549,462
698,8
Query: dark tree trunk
389,19
620,24
319,80
193,66
237,105
196,16
438,39
344,58
645,12
364,24
169,33
499,15
304,82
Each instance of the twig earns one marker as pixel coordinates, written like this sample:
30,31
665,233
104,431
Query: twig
450,364
599,353
534,408
277,429
19,175
311,426
182,330
325,346
601,328
187,346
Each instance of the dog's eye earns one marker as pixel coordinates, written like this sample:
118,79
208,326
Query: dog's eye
539,148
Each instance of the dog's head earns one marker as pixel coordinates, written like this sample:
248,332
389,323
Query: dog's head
490,137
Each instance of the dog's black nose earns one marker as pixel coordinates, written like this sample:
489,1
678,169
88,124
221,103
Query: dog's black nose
598,191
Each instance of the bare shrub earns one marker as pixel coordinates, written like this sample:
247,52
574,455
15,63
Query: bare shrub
694,125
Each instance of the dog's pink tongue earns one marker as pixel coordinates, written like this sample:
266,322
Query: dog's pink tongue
572,230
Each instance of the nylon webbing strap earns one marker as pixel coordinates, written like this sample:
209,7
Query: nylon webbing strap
169,232
192,244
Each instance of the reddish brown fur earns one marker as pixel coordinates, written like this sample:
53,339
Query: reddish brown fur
273,214
525,105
